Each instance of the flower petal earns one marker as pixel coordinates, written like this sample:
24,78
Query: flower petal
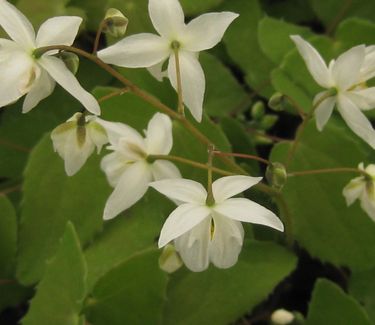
314,62
159,140
157,71
58,31
184,190
163,169
368,67
137,51
368,204
226,187
132,185
248,211
364,99
16,25
167,17
353,190
214,26
113,166
227,241
192,79
58,71
193,246
356,120
181,220
324,110
347,67
42,88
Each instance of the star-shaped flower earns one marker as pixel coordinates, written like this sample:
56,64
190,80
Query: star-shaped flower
76,140
362,188
151,51
22,72
128,168
345,80
202,232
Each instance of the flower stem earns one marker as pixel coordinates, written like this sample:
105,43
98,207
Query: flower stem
242,155
328,171
210,200
181,107
97,37
113,94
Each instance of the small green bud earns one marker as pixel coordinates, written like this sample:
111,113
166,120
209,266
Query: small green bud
115,23
262,140
276,175
71,61
169,260
268,122
258,110
277,102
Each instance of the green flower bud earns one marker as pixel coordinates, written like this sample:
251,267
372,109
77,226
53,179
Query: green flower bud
71,61
169,260
268,122
277,102
276,175
258,110
115,23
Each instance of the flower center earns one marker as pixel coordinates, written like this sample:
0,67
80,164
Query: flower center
175,45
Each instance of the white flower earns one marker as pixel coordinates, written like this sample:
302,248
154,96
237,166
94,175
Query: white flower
23,73
76,140
128,169
151,51
345,80
204,233
362,188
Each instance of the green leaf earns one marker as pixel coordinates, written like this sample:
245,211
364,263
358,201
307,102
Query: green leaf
194,7
134,231
224,94
274,37
362,287
51,199
61,292
241,40
355,31
132,293
330,305
194,298
322,223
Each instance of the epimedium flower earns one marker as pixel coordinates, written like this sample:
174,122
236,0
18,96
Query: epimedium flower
362,188
203,232
76,139
147,50
128,168
344,80
23,72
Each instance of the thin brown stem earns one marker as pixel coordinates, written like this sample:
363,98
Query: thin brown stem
181,107
242,155
328,171
14,146
265,135
97,37
113,94
339,17
7,281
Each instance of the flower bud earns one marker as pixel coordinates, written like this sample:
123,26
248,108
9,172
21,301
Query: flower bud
282,317
115,23
258,110
268,121
71,61
276,175
169,260
277,102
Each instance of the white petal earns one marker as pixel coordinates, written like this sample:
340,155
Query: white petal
226,187
368,67
97,134
58,71
205,31
314,62
248,211
181,220
157,71
42,88
16,77
114,166
364,99
192,79
58,31
163,169
324,110
159,140
346,70
184,190
227,242
353,190
167,17
368,204
193,246
16,25
131,187
137,51
356,120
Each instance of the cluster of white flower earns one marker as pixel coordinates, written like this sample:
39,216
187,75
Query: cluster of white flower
206,226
